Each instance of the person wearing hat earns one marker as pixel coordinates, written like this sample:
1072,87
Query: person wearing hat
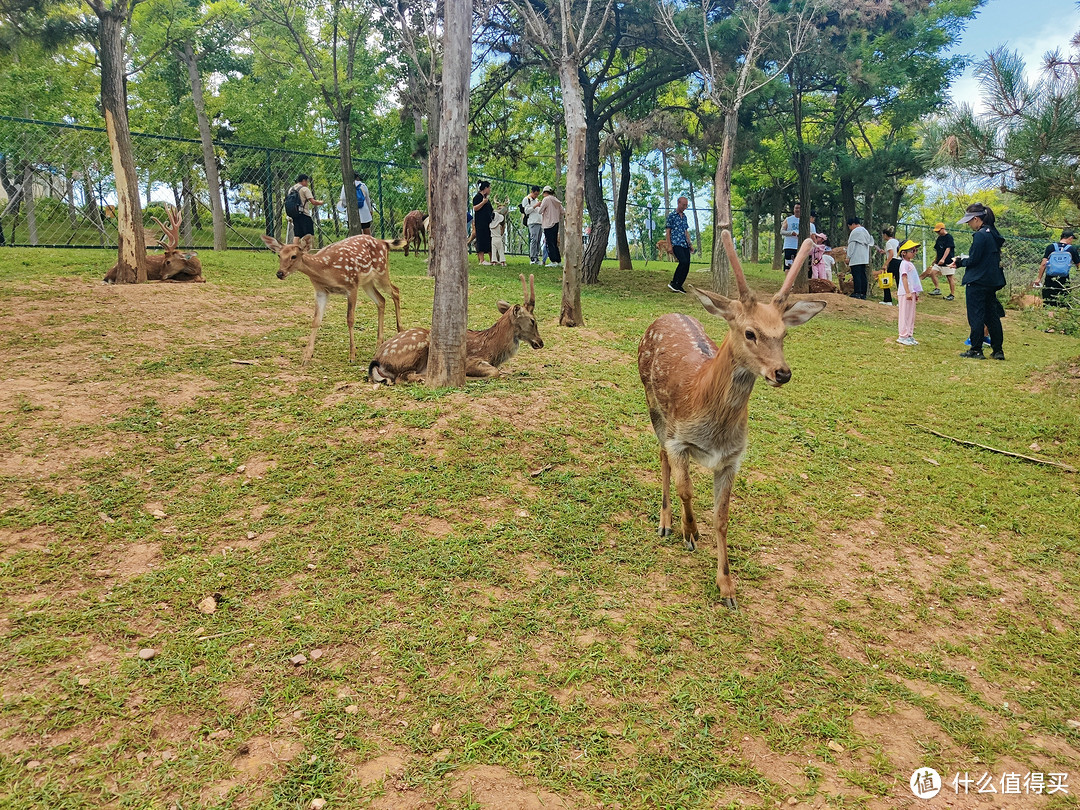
944,252
550,212
908,288
1056,284
983,277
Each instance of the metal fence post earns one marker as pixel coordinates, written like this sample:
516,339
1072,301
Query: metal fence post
382,211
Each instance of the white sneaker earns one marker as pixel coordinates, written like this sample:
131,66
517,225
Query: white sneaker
486,264
885,303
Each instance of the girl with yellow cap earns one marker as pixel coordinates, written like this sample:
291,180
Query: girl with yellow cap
907,290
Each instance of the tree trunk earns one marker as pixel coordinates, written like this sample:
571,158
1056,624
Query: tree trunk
69,198
352,210
697,223
755,228
28,204
558,153
778,240
599,219
894,206
131,243
93,212
667,192
574,111
449,315
187,201
209,160
625,262
721,269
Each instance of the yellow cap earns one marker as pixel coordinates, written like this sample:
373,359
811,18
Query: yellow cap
908,245
940,226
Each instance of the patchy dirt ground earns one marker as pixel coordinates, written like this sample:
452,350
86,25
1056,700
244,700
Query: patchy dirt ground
497,625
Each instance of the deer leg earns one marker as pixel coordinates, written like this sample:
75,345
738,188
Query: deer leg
350,319
388,288
475,367
680,474
380,304
321,297
665,485
722,480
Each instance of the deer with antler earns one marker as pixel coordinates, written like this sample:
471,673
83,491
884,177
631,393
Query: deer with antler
172,265
343,268
405,356
698,393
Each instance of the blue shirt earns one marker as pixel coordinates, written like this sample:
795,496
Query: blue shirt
676,223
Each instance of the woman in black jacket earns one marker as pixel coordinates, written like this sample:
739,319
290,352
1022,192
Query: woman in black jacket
983,277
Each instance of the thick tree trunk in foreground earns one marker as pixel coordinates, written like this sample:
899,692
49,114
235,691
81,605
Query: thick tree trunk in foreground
625,262
209,161
131,242
574,110
449,316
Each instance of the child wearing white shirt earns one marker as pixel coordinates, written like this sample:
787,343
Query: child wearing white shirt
907,291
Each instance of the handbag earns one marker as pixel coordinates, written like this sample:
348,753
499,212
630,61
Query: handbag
885,281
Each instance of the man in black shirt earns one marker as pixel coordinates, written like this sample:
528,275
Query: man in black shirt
1054,285
944,253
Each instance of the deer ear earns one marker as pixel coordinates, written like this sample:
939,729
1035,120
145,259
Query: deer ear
726,308
305,244
802,311
503,306
272,243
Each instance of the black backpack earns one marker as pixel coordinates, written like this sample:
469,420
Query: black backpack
292,202
524,216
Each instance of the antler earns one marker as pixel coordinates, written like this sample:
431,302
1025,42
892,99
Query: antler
528,293
736,265
173,232
796,266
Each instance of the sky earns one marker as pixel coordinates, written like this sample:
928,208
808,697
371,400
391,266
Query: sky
1031,27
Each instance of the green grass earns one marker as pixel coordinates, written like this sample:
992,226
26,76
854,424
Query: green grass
481,567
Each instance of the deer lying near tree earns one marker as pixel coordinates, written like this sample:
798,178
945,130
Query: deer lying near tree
698,393
405,357
414,229
172,265
343,268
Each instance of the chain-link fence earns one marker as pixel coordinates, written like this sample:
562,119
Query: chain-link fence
58,187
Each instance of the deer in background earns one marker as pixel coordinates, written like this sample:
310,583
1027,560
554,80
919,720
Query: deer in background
405,357
664,250
414,229
698,394
343,268
172,265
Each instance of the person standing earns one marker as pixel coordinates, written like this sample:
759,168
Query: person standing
303,224
531,206
498,228
907,293
363,202
1060,257
678,237
858,250
983,277
944,252
892,261
790,232
482,216
550,213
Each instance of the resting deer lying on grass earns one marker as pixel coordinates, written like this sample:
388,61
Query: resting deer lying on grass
358,262
172,265
405,357
698,394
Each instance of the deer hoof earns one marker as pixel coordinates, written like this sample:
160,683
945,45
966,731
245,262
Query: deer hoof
690,544
665,531
730,603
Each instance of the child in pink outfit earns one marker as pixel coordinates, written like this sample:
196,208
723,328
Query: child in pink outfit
818,266
907,291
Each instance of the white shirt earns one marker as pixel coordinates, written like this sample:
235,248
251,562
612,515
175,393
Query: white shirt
790,232
532,208
858,246
367,209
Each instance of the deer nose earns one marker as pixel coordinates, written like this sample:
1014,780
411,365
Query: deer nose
280,274
783,375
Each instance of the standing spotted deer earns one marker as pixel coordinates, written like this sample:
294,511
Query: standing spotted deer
698,393
172,265
343,268
405,356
